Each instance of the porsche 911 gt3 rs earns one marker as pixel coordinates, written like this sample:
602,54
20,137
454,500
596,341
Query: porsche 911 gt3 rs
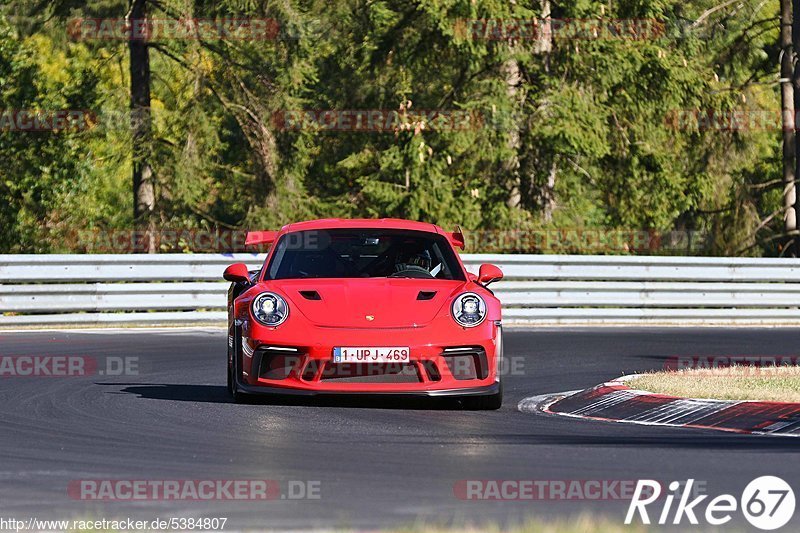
364,307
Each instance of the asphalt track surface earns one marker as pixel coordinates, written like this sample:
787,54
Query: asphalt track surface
379,463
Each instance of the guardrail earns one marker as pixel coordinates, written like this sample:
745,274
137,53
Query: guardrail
187,288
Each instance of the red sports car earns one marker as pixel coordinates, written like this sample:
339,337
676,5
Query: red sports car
364,307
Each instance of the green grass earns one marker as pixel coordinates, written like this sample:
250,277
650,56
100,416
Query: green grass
774,384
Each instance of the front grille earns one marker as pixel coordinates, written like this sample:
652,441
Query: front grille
311,370
276,363
371,373
433,372
467,362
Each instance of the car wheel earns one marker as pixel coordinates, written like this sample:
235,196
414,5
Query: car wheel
490,402
238,396
230,371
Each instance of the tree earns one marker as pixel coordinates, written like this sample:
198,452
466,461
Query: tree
790,102
580,127
144,194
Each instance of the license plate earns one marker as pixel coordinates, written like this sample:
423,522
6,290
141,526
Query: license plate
371,354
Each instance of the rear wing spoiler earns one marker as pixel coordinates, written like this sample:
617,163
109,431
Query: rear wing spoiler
456,238
260,237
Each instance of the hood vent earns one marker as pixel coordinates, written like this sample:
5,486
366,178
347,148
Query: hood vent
426,295
310,295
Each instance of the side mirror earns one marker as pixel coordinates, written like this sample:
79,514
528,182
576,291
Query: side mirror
236,273
489,274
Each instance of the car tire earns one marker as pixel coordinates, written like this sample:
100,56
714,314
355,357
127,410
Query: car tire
233,382
230,372
238,396
489,402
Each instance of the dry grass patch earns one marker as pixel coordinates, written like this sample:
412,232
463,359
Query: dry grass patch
582,523
578,524
770,384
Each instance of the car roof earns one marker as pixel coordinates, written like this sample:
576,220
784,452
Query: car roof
376,223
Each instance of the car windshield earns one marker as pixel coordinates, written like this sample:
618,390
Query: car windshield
364,253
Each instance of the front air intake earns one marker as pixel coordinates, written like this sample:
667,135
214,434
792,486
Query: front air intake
276,362
467,362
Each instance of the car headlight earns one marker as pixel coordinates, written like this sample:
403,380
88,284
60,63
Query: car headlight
269,309
468,309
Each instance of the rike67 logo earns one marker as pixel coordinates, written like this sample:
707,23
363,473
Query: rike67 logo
767,503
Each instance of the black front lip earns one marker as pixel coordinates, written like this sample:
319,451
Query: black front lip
494,388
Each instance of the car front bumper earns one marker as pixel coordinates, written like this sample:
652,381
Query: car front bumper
445,360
